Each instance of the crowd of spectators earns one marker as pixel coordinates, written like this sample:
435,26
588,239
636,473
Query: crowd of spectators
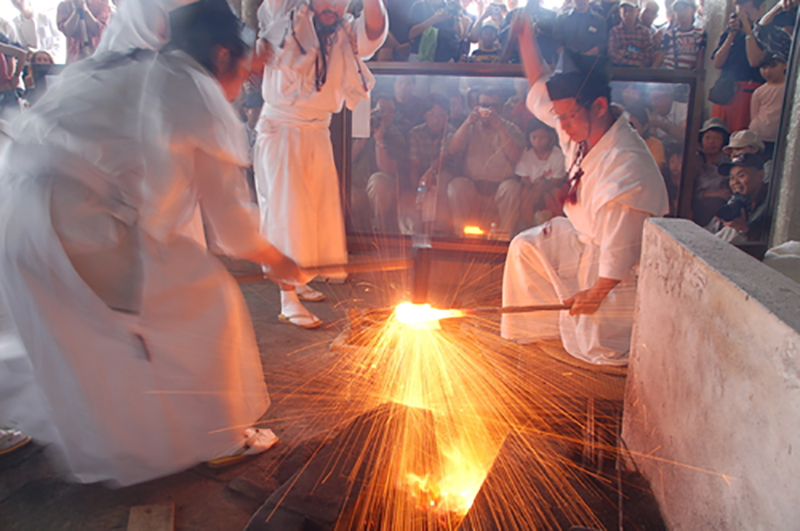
471,149
32,37
493,164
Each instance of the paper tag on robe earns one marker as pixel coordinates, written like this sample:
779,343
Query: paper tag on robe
361,119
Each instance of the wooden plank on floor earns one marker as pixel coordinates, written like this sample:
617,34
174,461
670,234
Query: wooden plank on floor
159,517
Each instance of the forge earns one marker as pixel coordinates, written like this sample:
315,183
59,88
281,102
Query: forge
442,429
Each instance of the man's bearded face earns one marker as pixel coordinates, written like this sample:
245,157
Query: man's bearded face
328,12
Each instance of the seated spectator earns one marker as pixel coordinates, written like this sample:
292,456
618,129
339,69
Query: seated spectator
609,10
673,172
83,23
775,29
542,171
545,21
581,30
489,148
637,115
738,77
767,102
375,175
430,166
409,109
668,117
437,28
711,189
630,43
743,218
683,45
488,47
36,31
746,141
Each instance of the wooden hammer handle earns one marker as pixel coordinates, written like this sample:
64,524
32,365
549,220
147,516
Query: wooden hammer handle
340,269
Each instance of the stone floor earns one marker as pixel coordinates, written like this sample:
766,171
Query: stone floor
33,498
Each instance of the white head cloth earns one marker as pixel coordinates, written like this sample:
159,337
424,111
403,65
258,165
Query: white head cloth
139,24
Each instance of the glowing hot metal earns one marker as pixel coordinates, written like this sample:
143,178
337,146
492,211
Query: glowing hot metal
422,315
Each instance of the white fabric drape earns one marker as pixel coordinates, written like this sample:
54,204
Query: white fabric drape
108,168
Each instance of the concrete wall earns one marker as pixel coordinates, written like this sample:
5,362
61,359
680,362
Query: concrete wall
712,412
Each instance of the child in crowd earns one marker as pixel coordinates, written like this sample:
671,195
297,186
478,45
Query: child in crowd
672,172
488,48
542,170
630,43
683,45
767,101
639,120
711,187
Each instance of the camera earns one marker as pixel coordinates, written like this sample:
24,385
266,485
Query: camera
452,9
375,119
733,208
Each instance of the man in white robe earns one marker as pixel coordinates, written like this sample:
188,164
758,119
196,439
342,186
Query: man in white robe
304,84
588,259
140,344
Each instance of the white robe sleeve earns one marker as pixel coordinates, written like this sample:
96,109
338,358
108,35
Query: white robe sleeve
620,228
225,202
366,46
540,104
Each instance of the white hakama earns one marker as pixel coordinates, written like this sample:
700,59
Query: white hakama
172,375
600,237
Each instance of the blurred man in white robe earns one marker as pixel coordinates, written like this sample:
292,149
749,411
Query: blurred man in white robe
314,54
589,258
140,343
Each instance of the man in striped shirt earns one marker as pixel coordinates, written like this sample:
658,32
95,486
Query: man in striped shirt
683,45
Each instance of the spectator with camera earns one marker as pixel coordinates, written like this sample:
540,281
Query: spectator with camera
376,170
582,30
494,12
437,28
630,43
543,20
775,29
737,56
743,218
431,168
82,22
489,148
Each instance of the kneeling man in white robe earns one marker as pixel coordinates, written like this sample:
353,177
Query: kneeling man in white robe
589,258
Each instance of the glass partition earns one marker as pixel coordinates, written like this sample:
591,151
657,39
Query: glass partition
461,157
